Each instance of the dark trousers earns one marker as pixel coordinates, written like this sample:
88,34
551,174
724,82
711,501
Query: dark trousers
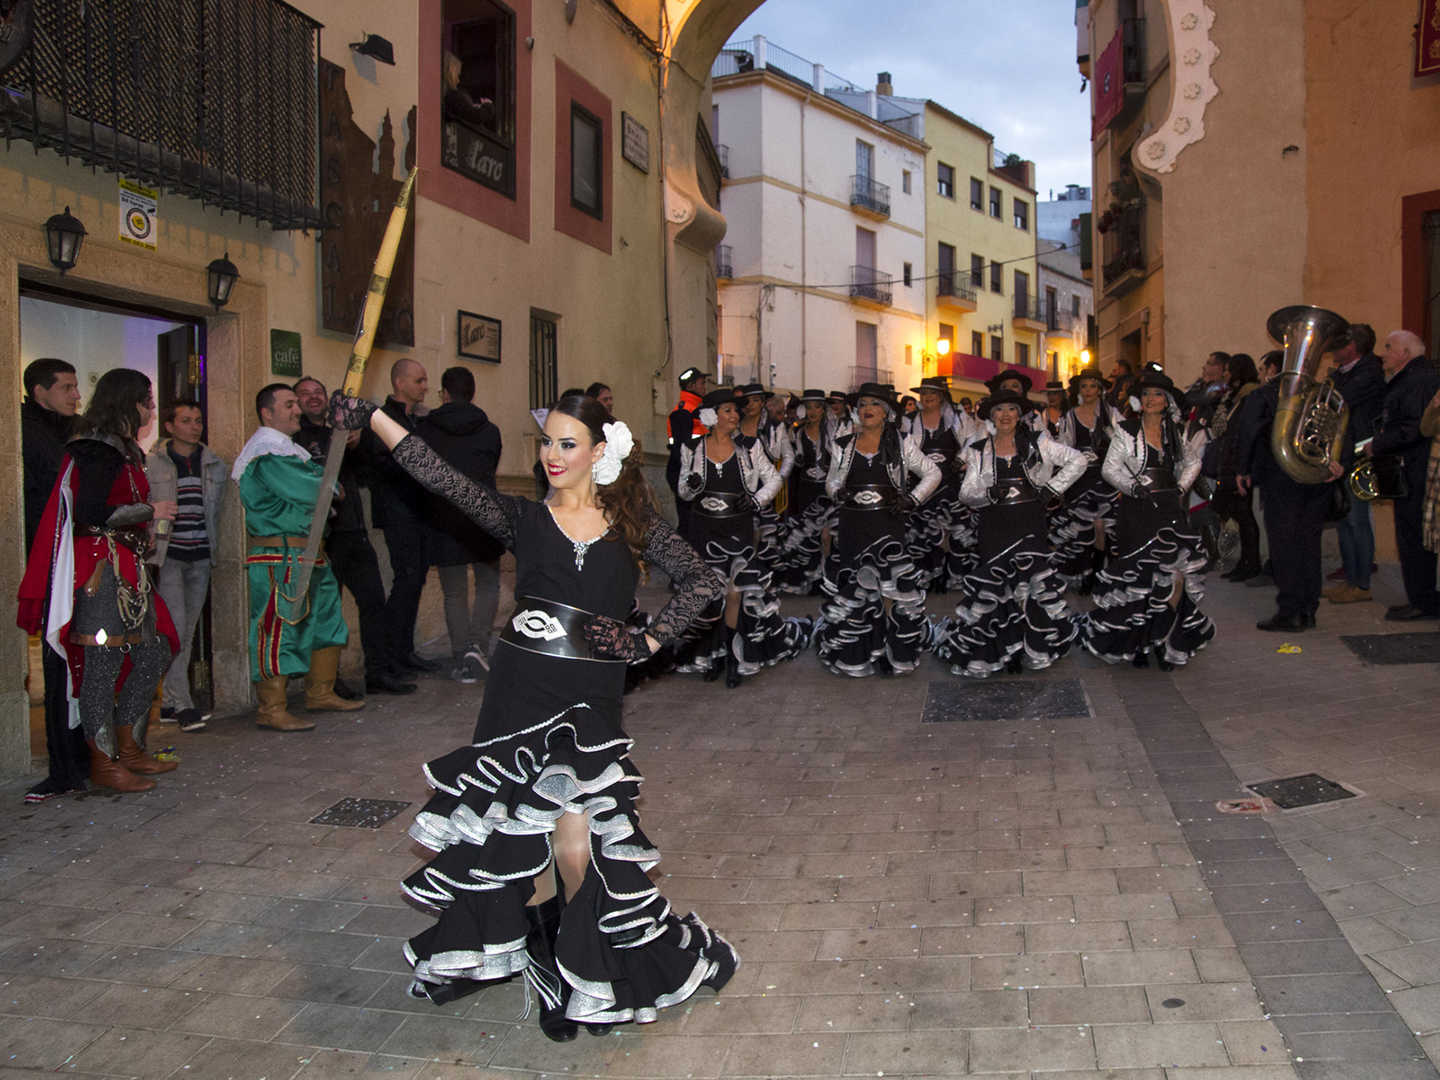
1229,503
409,563
69,756
1417,562
357,568
1294,521
682,513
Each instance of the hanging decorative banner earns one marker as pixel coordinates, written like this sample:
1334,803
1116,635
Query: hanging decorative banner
139,214
1109,85
1427,39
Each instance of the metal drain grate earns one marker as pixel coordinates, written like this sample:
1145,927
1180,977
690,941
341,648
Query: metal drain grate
1057,699
360,813
1422,648
1294,792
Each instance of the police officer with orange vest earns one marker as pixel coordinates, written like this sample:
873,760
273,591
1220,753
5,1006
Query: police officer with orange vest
684,424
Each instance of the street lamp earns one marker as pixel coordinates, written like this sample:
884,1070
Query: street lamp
63,236
221,276
1084,357
942,347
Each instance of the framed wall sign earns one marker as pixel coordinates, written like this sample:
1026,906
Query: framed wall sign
477,337
285,346
634,142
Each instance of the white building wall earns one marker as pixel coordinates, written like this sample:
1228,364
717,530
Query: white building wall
792,234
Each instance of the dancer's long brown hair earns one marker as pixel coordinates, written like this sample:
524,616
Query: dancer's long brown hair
629,502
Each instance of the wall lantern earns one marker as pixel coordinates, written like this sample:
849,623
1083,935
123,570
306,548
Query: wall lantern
942,347
63,237
376,47
222,275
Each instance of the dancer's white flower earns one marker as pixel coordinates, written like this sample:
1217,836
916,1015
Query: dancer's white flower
618,444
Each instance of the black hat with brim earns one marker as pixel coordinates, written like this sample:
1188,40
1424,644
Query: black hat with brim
876,390
1010,373
1154,379
1054,386
1091,372
1005,397
754,389
715,398
690,374
936,383
813,395
837,395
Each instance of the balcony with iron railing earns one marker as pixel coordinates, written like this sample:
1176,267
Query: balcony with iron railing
869,285
859,375
724,261
215,101
953,290
869,196
1122,248
723,153
1028,313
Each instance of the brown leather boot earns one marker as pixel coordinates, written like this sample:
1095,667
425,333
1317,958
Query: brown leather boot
107,772
273,713
320,693
129,754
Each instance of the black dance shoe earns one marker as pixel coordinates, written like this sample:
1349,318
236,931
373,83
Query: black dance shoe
1279,623
1015,665
543,974
1160,661
712,672
732,662
1140,660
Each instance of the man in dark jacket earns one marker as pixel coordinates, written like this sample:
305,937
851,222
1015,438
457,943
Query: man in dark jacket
347,541
1411,382
47,417
1361,383
398,506
461,433
1294,512
682,426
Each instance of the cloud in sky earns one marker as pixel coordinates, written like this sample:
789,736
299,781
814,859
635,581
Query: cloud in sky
1007,65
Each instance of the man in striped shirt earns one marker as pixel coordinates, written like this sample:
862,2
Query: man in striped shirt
184,469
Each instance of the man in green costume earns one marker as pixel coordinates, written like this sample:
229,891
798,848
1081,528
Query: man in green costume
279,484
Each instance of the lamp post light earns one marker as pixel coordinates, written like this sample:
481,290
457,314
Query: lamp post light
221,276
63,236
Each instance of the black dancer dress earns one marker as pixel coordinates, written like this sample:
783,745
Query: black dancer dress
1153,541
856,634
811,512
939,563
1013,605
549,741
723,531
1090,499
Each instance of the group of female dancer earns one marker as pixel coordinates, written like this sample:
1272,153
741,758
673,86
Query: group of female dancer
540,862
1008,509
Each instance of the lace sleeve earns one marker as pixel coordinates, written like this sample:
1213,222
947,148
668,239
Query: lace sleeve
696,585
493,512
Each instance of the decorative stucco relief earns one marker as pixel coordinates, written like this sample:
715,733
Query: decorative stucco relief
1192,55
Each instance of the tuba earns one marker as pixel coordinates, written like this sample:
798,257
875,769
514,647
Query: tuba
1310,416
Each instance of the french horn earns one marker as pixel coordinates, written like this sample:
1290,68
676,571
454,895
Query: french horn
1311,417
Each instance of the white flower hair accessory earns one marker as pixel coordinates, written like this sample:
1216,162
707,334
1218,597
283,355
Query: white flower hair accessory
708,417
618,444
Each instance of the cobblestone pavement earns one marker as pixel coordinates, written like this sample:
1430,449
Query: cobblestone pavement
1000,896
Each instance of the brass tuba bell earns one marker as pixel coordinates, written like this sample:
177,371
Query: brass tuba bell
1310,416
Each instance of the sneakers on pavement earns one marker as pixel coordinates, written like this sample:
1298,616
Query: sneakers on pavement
1347,594
467,670
190,720
167,714
477,653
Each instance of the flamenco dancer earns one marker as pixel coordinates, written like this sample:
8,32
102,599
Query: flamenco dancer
86,583
938,432
548,785
1013,615
810,510
727,481
1079,530
1017,382
758,424
874,619
1147,597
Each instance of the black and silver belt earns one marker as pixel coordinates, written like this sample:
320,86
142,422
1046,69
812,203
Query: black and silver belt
1017,494
720,504
870,497
1162,480
551,629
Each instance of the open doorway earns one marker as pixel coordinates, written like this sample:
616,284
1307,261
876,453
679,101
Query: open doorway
96,336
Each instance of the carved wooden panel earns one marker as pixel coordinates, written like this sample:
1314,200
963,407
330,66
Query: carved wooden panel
356,199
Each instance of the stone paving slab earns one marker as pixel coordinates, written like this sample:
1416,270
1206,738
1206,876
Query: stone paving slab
1010,898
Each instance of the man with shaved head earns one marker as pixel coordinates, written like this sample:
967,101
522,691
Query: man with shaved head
397,505
1411,381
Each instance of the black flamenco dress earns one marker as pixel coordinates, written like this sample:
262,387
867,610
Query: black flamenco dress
1014,605
928,537
811,512
549,741
722,529
1153,542
858,633
1088,500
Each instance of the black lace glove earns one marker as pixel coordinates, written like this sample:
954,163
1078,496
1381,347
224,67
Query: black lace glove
611,639
747,502
1052,499
350,413
904,503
